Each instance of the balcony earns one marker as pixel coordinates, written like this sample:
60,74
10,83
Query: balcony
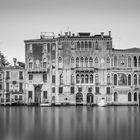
38,70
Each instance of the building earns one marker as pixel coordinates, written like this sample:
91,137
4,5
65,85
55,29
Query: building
80,69
13,84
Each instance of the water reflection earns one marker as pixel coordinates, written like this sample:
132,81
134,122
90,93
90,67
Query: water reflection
69,123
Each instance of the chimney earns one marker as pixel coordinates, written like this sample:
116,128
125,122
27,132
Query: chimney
15,61
102,34
110,33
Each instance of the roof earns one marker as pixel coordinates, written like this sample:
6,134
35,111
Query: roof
13,68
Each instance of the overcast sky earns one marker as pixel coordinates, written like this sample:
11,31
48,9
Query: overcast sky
24,19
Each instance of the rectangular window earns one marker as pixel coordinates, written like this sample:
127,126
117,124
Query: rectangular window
16,97
60,90
0,76
53,79
90,89
0,86
21,75
7,75
72,90
30,94
30,76
53,90
45,77
7,87
45,94
80,89
21,87
108,90
97,90
20,97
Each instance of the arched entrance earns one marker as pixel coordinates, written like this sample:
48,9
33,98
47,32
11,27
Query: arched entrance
89,98
37,94
79,98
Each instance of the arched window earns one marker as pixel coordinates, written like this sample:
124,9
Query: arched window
96,79
91,78
44,63
129,80
115,79
129,96
86,62
108,60
90,61
59,60
115,97
77,62
135,61
82,45
96,60
86,78
78,45
82,78
129,61
135,79
61,79
108,79
90,45
77,78
96,45
139,61
86,45
115,61
135,96
82,61
72,79
30,64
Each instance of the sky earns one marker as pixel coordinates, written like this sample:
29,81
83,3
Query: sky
25,19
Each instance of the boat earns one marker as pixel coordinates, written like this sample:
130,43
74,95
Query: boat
45,104
102,103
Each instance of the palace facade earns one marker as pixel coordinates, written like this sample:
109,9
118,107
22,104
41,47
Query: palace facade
80,69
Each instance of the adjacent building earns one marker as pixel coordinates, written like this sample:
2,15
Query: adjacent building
80,69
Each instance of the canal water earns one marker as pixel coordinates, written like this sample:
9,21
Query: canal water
70,123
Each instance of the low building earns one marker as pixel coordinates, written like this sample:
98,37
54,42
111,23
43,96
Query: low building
81,69
13,84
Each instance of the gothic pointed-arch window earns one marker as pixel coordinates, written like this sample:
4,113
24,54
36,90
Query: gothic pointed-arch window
96,45
86,45
61,79
108,79
129,61
129,97
135,96
72,62
72,79
90,61
135,79
135,61
115,79
86,78
108,60
115,61
78,45
96,60
77,78
115,97
82,78
129,80
30,64
139,61
82,45
90,45
82,62
86,62
91,78
77,62
44,63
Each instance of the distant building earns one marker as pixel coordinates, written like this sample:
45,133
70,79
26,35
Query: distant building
81,69
13,84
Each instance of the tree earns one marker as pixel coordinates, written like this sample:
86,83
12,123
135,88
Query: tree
3,60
